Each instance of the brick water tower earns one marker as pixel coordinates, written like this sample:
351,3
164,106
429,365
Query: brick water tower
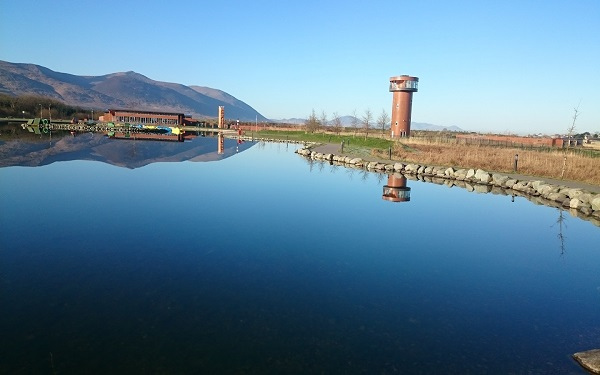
403,88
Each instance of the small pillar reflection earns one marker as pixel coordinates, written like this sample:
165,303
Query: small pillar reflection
220,143
396,189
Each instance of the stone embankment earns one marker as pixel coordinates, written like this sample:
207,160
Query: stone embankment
581,203
259,139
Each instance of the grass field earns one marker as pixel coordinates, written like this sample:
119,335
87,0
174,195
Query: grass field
580,164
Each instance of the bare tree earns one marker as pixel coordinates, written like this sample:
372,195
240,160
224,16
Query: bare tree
312,123
570,131
354,122
383,120
367,121
323,119
337,123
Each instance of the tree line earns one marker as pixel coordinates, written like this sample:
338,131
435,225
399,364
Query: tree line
366,122
29,106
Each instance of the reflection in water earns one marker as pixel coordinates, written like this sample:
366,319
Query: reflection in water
396,189
561,221
220,142
107,285
21,147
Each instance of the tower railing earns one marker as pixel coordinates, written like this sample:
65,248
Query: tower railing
404,86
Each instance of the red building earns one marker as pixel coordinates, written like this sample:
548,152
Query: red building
143,117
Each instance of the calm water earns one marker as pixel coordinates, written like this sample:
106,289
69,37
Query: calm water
264,263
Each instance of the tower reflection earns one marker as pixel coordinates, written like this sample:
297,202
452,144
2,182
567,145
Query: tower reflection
396,189
220,143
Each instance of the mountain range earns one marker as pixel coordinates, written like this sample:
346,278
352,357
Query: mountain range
124,90
131,90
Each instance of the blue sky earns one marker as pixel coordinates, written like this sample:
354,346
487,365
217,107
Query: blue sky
513,66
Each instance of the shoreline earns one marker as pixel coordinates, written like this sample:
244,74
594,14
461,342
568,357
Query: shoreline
580,199
329,148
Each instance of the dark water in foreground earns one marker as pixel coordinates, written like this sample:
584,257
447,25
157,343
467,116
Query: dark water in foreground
262,263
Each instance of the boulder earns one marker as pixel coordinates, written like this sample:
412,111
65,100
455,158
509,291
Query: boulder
449,172
483,176
411,168
575,203
572,193
499,179
589,360
398,167
470,173
356,161
461,174
440,172
521,186
510,183
585,198
536,184
546,189
557,197
595,202
371,165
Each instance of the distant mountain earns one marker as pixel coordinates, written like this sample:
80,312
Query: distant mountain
348,120
125,90
296,121
431,127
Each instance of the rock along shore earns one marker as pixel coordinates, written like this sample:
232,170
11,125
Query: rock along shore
580,203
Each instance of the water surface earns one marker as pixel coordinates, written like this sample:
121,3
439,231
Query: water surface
262,262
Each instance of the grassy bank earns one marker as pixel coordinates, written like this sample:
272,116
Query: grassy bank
543,162
321,137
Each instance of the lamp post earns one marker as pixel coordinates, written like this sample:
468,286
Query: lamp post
49,113
41,113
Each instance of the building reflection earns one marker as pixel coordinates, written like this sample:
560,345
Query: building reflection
130,147
396,189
